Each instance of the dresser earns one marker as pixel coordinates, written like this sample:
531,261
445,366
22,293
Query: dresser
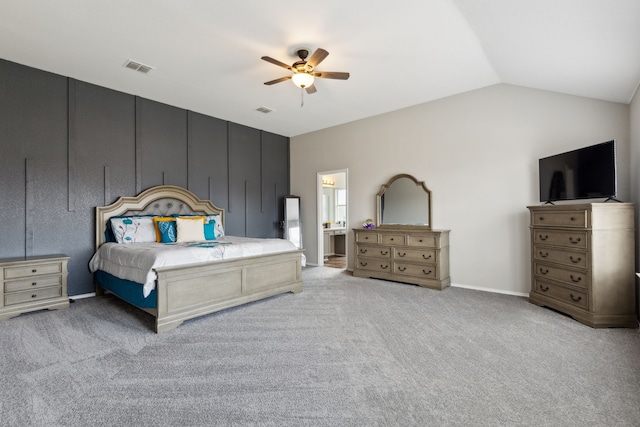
33,283
409,255
582,262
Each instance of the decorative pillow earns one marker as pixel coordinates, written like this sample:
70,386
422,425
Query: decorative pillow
133,229
219,228
209,230
167,230
189,230
157,220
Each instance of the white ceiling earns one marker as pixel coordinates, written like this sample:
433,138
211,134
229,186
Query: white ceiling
207,53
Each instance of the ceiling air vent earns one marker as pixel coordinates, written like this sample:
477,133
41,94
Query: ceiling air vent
138,66
265,110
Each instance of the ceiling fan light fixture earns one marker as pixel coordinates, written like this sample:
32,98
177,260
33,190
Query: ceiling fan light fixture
302,80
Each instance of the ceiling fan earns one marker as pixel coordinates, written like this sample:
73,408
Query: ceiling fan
304,70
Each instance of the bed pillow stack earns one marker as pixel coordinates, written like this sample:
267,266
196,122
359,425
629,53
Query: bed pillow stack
169,229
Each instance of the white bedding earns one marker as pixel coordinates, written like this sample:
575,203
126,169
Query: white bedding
137,261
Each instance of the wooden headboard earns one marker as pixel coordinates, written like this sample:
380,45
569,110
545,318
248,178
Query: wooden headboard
160,200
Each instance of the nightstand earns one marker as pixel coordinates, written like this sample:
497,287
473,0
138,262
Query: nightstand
33,283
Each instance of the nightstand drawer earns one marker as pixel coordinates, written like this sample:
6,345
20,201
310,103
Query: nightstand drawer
32,270
35,295
34,283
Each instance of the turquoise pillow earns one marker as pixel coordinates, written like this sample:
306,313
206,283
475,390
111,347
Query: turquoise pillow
167,231
210,230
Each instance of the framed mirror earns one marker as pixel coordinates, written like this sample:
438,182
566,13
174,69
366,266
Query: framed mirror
404,201
292,226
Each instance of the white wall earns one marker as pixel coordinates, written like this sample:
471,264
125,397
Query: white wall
477,152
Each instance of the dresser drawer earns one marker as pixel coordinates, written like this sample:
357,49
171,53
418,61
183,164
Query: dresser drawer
572,296
32,270
560,256
423,271
393,239
32,295
410,254
373,264
426,240
569,239
362,237
34,283
571,277
373,251
570,219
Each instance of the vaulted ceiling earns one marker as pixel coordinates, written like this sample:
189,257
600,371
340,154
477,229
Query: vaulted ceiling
206,54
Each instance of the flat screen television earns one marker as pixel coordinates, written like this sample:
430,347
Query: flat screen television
586,173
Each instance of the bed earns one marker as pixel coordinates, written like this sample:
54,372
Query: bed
198,286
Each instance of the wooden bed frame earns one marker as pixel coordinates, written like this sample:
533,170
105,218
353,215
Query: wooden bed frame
188,291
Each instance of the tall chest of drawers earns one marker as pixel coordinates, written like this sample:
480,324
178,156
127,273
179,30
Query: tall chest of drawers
419,257
33,283
582,262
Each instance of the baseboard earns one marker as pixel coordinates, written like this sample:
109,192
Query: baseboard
492,290
81,296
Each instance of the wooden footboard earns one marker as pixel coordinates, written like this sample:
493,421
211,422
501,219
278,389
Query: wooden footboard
197,289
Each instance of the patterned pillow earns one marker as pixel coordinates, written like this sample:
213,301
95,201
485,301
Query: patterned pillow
133,229
157,220
209,230
219,228
167,230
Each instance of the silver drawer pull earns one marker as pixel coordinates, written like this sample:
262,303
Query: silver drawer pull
544,255
402,254
384,267
574,241
427,272
384,252
541,237
575,280
402,268
426,257
544,270
544,288
575,261
576,299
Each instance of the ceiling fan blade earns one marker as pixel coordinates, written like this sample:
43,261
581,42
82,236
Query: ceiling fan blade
311,89
317,57
281,79
276,62
331,75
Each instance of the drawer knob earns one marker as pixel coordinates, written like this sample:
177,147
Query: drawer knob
574,260
392,239
35,270
402,254
426,257
575,279
573,218
544,288
541,237
420,240
576,299
426,272
366,238
544,270
544,254
541,218
34,283
384,267
363,251
34,295
363,264
384,252
574,241
402,268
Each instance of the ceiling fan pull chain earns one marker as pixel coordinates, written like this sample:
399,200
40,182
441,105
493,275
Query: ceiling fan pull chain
301,97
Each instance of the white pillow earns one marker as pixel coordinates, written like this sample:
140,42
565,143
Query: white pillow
133,229
219,230
189,230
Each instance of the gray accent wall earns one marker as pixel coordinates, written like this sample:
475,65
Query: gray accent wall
67,146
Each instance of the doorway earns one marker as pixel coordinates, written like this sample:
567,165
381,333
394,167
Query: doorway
332,218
